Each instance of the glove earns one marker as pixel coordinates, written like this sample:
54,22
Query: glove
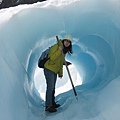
60,76
68,63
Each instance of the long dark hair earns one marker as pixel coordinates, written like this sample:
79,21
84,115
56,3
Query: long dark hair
67,49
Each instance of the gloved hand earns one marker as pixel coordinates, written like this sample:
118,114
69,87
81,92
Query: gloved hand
68,63
60,48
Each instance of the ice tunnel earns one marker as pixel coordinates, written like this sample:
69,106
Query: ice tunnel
26,30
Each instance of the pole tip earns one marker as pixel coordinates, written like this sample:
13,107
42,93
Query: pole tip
76,97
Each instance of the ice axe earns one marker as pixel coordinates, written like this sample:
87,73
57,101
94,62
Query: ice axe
68,71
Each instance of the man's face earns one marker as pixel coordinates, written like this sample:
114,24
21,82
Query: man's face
66,43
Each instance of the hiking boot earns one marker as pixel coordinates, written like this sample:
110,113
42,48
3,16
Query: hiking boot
50,109
56,105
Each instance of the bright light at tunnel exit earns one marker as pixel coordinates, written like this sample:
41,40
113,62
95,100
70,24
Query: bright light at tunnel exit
62,84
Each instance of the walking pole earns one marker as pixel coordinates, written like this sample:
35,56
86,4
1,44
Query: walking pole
68,71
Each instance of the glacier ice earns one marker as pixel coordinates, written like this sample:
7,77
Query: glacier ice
26,30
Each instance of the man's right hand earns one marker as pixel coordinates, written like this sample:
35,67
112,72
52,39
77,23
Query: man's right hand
60,48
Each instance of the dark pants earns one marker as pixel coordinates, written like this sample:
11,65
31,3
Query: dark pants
50,91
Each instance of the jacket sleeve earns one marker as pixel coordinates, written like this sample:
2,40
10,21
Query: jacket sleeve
54,52
60,73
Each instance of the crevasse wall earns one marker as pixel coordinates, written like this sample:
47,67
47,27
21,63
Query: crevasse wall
26,30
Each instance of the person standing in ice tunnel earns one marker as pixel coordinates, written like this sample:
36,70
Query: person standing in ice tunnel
54,67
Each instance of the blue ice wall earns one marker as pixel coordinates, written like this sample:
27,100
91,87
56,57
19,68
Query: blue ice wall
28,29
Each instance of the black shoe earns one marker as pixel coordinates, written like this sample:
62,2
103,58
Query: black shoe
50,109
56,105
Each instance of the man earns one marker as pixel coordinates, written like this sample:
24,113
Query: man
54,67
